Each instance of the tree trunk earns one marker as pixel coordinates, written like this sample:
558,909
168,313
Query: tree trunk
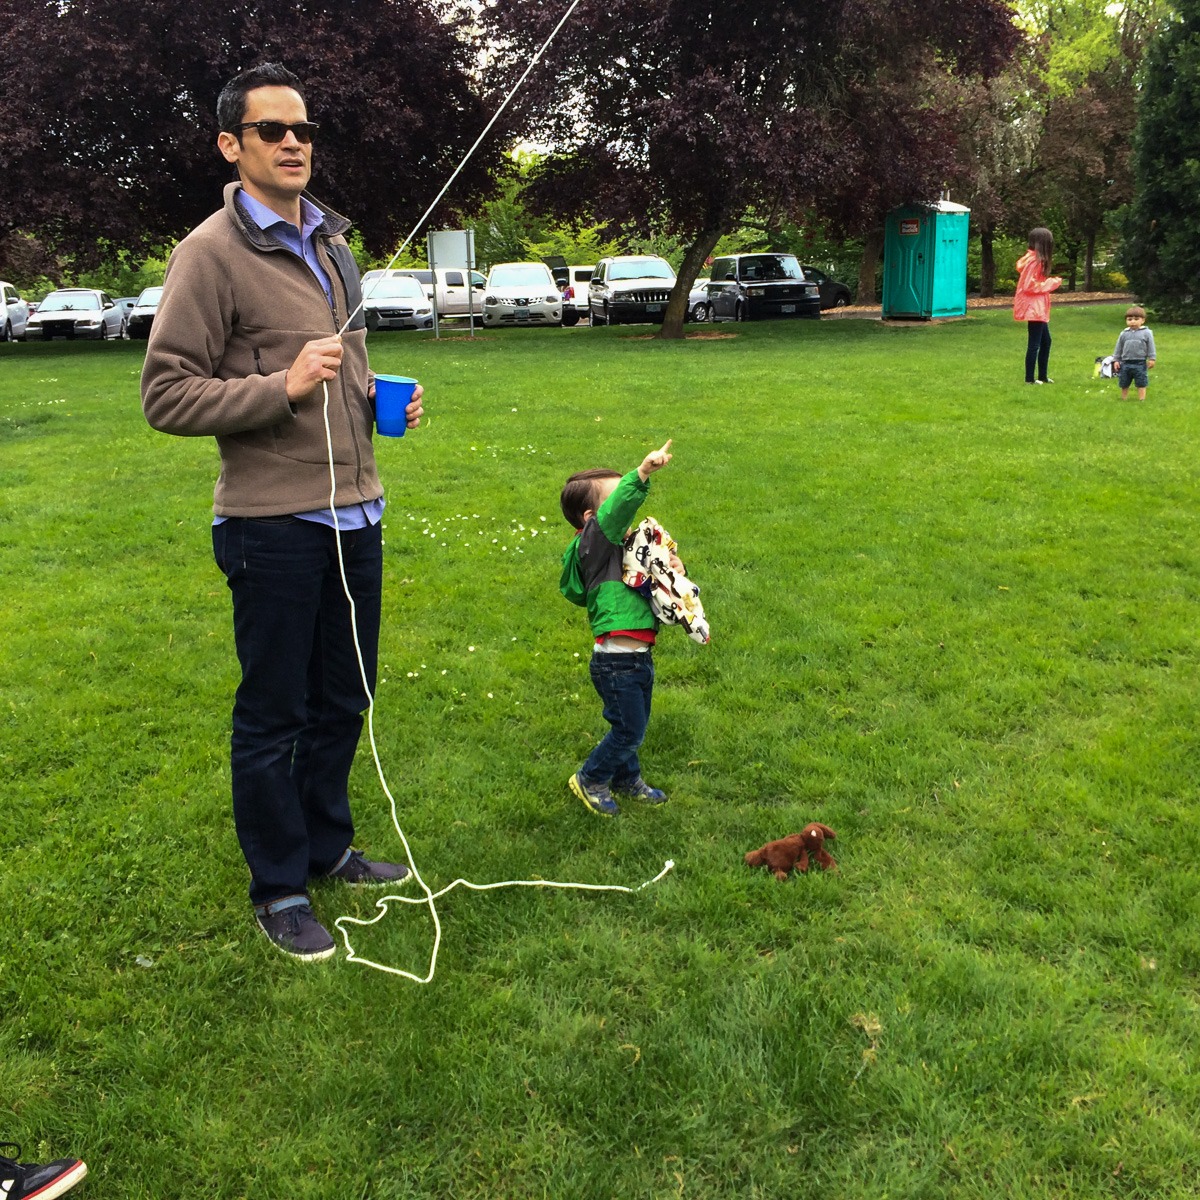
1071,252
872,249
689,269
987,261
1089,256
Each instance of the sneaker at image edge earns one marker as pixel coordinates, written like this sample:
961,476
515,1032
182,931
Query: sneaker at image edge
639,789
596,797
297,933
31,1181
360,871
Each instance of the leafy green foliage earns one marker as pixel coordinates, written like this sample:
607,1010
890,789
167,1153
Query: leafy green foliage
1162,228
954,618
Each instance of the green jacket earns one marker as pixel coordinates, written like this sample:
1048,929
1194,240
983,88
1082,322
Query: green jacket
591,564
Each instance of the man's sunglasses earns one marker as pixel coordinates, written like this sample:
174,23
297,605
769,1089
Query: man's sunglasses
275,131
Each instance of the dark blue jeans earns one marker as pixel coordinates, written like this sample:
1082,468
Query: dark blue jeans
297,714
1037,351
626,684
1133,372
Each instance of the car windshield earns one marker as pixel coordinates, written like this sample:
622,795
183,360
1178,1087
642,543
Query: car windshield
771,266
516,275
149,297
69,302
404,287
651,268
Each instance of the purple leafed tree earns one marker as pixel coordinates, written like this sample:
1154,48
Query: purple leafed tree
688,111
110,133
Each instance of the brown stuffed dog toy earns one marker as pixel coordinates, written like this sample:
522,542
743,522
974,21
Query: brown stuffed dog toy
793,851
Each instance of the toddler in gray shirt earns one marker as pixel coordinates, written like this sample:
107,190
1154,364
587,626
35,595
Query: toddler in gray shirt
1135,353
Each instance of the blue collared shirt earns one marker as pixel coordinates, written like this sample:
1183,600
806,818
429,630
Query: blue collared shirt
303,243
300,242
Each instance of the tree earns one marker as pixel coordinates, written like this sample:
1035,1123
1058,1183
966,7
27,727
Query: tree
110,130
691,111
998,124
1162,230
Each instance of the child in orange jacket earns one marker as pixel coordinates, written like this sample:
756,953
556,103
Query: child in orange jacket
1031,303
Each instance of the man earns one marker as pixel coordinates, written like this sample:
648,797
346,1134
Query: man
243,345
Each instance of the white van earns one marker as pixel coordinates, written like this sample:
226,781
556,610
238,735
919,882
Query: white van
580,278
453,298
576,278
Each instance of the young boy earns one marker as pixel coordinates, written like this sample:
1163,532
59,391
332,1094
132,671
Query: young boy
600,505
1134,352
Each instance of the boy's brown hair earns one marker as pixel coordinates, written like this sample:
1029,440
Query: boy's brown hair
1136,310
579,493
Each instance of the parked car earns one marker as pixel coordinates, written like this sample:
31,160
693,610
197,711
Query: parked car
16,314
521,293
581,278
833,294
453,297
698,301
746,287
142,316
397,302
77,313
126,305
576,278
629,287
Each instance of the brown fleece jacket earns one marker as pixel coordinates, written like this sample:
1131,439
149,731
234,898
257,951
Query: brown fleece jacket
236,309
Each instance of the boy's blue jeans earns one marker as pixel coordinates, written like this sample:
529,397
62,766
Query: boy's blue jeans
626,684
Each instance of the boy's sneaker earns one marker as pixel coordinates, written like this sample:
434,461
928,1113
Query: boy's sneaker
359,871
639,789
296,932
595,796
24,1181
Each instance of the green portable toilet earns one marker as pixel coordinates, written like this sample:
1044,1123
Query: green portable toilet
925,261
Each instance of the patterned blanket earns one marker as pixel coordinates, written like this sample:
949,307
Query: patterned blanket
674,598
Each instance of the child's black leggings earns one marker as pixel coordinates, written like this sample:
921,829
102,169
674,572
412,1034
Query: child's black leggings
1038,352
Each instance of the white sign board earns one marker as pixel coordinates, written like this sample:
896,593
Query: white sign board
452,248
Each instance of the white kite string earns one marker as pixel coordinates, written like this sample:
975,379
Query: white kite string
466,158
430,896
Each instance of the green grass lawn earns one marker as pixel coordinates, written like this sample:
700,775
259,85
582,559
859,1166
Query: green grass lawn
954,617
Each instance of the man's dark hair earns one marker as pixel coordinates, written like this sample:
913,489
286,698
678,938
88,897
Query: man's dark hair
579,493
231,103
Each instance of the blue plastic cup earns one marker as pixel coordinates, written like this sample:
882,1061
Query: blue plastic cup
393,394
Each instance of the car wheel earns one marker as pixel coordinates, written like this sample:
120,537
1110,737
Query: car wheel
841,301
739,311
372,321
8,333
608,317
699,311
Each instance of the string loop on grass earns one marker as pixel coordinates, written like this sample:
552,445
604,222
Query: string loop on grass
429,896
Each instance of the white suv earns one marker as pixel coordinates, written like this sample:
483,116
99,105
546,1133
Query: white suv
521,293
630,287
15,318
